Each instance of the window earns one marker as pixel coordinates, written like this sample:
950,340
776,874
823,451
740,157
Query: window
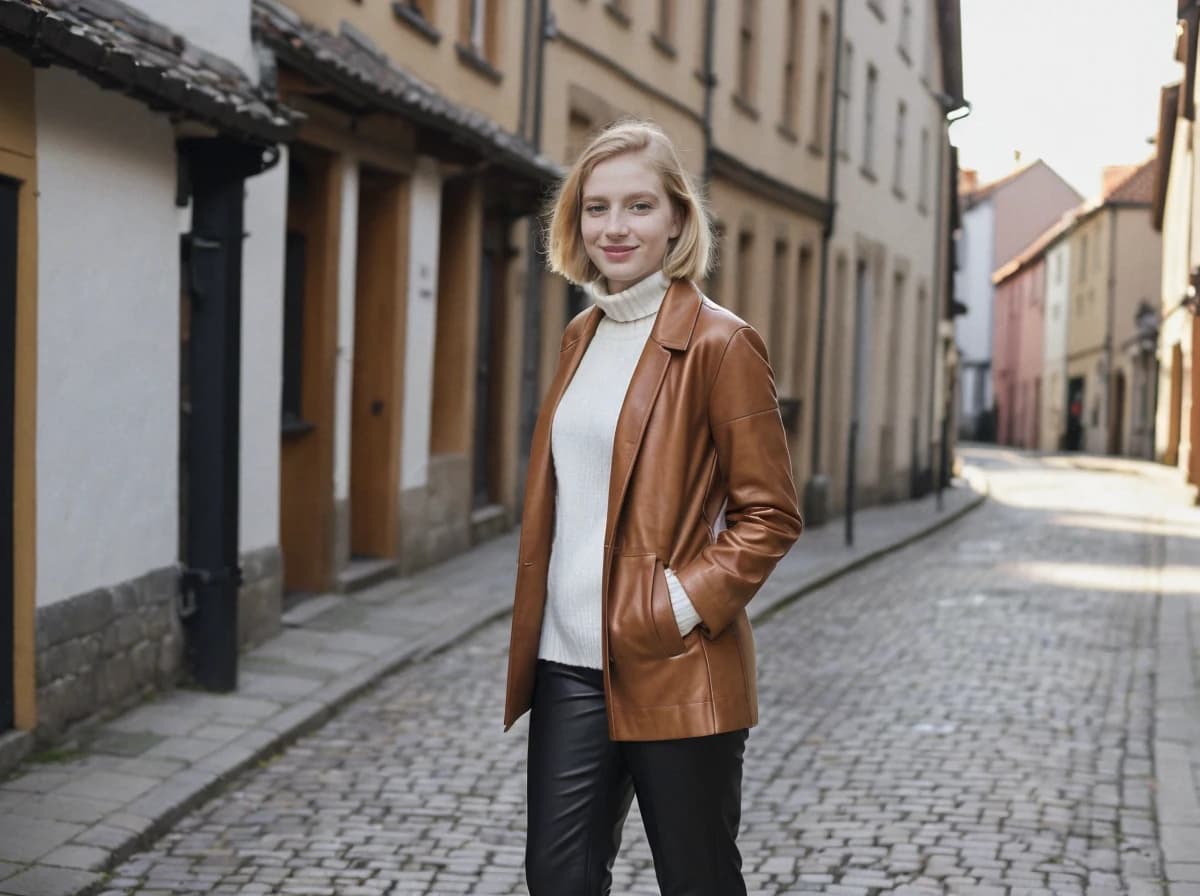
923,184
905,29
868,163
294,268
1083,254
1058,267
898,161
666,21
418,15
791,73
876,7
477,34
744,273
845,80
747,51
822,85
779,305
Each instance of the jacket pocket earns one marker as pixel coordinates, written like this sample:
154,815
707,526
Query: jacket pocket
663,614
641,622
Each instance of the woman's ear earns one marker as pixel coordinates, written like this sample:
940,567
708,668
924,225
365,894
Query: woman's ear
676,222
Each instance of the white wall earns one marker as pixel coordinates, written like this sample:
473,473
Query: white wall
219,26
108,338
262,356
424,230
973,330
344,363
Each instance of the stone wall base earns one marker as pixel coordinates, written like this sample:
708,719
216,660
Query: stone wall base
435,519
260,599
101,651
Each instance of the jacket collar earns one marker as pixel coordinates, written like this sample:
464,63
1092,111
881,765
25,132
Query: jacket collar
674,325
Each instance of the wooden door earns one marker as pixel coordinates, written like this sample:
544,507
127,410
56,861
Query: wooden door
8,351
1175,408
306,512
378,391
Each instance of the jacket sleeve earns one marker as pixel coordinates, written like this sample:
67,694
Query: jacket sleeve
761,512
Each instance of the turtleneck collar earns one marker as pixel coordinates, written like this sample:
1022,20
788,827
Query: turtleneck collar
638,301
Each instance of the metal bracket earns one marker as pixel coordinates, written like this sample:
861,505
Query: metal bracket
192,578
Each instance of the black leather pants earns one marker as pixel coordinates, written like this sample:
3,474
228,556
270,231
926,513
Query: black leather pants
581,785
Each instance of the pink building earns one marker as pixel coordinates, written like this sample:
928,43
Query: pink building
1017,347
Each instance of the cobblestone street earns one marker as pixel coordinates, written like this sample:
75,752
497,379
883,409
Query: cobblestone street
971,714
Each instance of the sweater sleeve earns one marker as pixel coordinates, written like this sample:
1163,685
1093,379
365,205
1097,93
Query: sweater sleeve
686,616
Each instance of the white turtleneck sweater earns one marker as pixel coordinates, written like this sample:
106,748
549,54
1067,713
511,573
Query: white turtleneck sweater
581,443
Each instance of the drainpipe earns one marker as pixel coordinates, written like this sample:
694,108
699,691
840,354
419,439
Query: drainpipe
816,490
531,357
1108,332
710,81
216,169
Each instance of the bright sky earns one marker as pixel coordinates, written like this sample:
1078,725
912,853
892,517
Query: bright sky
1074,82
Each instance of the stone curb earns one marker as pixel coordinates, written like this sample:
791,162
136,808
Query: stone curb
170,802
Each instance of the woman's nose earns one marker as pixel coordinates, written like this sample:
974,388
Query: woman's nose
616,222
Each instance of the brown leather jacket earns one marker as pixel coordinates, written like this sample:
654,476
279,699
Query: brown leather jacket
699,436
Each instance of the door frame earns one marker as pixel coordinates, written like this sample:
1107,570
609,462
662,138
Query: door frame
23,169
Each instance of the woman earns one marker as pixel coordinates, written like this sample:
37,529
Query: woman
659,498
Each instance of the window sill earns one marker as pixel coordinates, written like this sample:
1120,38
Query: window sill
899,194
706,80
876,8
744,106
867,173
786,133
617,14
663,45
923,209
903,51
293,427
416,22
470,57
815,150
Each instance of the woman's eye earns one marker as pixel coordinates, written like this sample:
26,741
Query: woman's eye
641,206
594,209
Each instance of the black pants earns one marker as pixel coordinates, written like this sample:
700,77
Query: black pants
581,785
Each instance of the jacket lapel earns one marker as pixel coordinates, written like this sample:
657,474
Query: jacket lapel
672,331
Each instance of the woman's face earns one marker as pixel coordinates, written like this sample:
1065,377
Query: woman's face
627,219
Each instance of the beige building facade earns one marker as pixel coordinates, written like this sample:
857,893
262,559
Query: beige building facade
1177,430
1115,272
899,75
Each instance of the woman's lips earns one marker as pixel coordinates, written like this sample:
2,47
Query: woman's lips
616,253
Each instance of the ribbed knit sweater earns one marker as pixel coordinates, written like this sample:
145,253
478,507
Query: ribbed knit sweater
581,444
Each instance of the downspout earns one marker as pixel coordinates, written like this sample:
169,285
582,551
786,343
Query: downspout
523,121
532,325
816,491
710,81
941,244
1108,332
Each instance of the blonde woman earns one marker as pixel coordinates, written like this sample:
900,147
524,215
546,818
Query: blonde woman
659,498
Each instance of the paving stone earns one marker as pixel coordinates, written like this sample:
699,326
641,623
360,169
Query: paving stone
45,881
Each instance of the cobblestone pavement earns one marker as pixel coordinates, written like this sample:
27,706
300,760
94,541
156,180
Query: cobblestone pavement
969,715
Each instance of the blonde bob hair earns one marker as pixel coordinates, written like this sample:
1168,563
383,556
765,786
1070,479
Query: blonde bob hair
688,255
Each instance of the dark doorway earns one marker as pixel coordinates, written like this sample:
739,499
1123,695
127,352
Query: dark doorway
1116,418
489,350
8,350
1074,436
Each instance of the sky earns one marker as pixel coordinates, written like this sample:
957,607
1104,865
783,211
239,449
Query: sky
1073,82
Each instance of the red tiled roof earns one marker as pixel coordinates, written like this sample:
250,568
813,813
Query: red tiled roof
1137,187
